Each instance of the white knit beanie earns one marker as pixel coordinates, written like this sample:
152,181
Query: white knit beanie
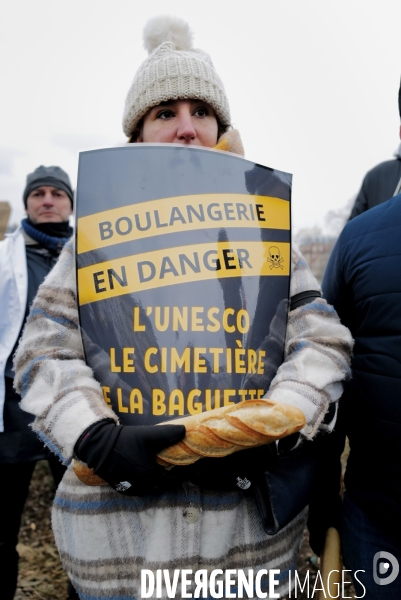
174,70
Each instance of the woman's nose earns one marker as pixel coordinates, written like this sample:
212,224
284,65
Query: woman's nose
185,129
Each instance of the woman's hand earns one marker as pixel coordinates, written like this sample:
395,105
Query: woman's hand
125,456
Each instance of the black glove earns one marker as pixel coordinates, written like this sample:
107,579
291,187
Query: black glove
238,471
125,456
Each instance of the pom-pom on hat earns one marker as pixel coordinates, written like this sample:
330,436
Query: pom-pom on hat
173,70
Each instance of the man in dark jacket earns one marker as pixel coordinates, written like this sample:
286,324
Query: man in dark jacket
26,257
380,183
363,283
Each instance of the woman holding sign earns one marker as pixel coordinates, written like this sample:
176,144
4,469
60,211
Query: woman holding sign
124,539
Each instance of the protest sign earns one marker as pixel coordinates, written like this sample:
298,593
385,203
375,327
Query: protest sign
183,269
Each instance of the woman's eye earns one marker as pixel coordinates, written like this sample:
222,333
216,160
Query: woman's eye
165,114
201,112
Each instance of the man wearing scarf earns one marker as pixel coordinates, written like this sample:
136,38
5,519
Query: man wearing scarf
26,257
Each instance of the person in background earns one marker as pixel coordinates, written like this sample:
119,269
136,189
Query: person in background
108,534
26,257
380,183
363,282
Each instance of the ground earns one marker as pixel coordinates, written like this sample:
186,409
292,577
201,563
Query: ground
41,575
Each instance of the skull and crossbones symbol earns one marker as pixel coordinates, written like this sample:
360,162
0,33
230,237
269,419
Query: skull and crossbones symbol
275,259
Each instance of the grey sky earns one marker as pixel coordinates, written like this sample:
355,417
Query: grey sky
312,85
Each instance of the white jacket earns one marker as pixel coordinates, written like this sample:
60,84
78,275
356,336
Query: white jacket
13,299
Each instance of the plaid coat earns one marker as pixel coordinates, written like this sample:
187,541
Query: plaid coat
104,538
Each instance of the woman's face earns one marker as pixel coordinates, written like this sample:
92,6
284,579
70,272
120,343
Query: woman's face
187,122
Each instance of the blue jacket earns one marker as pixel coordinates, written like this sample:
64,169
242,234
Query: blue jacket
363,282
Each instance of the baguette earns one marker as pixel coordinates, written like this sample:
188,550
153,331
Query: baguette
86,475
330,565
225,430
221,432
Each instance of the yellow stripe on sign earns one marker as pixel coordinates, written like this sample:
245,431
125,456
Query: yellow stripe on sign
183,264
182,213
